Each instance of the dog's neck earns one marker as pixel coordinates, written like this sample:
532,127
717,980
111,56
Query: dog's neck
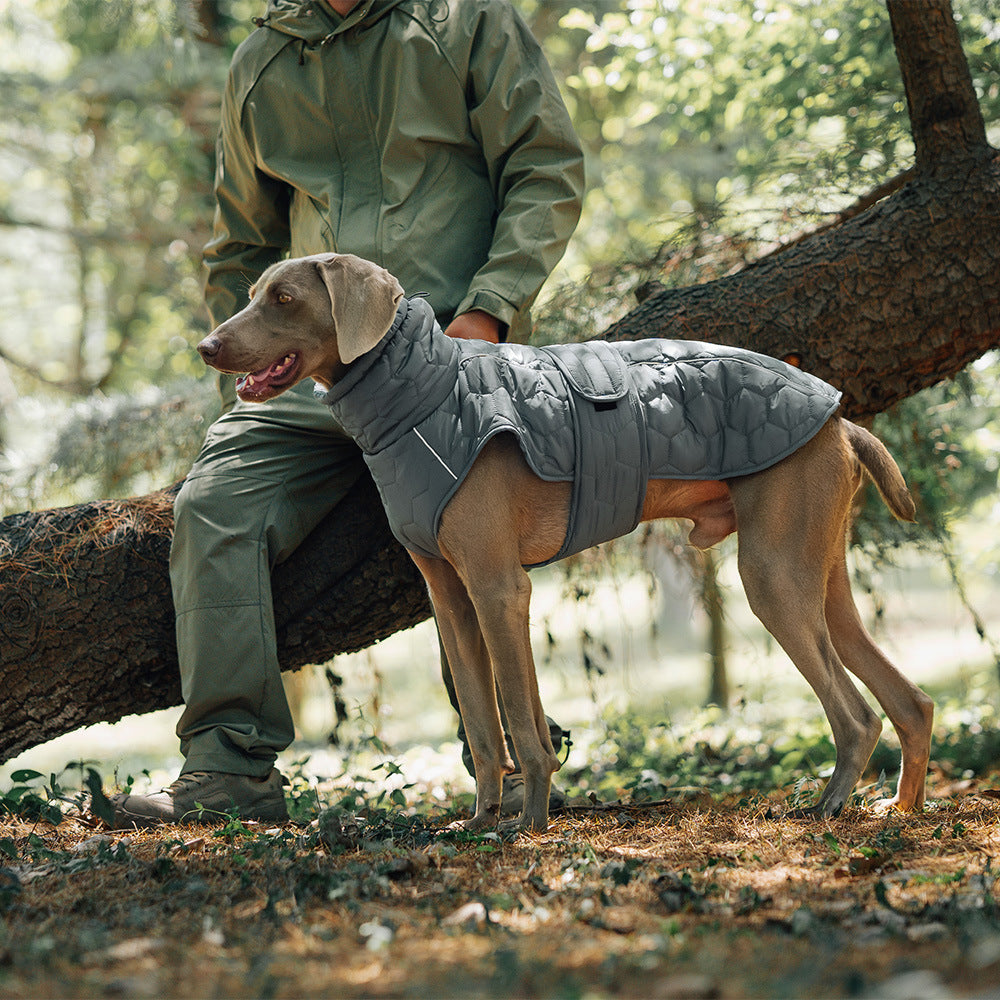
396,384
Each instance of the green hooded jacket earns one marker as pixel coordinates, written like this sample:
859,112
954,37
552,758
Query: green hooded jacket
428,136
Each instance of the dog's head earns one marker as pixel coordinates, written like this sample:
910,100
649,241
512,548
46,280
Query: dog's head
308,317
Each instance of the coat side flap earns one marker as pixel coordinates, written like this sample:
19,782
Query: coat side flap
596,371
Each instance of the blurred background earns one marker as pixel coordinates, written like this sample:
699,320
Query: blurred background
715,130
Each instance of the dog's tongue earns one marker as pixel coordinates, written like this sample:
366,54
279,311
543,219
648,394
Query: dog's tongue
257,383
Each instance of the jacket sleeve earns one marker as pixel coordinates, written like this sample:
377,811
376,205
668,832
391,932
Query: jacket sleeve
533,156
250,230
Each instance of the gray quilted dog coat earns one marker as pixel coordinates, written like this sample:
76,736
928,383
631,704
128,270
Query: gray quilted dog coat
606,417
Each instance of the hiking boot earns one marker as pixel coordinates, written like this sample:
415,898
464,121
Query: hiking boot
512,796
204,797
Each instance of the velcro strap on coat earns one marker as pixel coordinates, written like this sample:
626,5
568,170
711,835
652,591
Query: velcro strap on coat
597,374
611,465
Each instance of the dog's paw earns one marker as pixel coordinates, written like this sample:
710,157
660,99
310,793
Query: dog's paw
883,807
818,811
524,824
512,827
480,823
897,804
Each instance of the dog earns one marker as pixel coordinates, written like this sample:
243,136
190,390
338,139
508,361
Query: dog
334,317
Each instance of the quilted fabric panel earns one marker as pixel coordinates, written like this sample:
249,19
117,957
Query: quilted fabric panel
423,405
716,413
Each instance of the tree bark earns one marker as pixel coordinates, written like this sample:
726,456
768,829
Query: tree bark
892,301
86,616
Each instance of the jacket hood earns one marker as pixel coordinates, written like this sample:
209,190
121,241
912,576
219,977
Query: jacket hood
313,21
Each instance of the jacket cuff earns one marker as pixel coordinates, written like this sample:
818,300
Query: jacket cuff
488,302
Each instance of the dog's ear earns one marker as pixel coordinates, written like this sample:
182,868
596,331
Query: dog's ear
363,300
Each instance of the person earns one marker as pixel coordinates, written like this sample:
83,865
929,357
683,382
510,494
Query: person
428,136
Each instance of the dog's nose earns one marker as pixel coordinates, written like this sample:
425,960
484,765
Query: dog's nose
209,348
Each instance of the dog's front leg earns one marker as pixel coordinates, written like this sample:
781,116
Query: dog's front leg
502,518
472,673
501,598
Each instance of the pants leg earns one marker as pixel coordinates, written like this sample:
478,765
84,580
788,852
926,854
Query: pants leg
267,474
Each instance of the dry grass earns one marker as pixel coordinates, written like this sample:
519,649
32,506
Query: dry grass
676,900
57,539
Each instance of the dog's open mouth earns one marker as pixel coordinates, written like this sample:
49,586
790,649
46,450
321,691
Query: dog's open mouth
268,382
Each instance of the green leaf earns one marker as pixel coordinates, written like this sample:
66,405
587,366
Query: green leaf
831,841
99,802
25,775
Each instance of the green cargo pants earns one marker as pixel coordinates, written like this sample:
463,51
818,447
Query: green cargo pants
267,474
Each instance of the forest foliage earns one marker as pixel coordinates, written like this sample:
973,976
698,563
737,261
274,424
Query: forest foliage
713,130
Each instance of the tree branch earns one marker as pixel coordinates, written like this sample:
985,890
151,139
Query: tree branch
62,385
945,118
863,203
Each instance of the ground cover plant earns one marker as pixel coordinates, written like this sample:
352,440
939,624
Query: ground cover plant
678,873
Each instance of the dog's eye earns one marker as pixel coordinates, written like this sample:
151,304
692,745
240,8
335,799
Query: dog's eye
283,298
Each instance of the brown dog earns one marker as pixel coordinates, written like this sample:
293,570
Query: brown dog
315,316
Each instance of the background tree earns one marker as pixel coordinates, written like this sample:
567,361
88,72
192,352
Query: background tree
890,300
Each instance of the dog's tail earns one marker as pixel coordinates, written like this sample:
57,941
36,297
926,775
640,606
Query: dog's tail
882,468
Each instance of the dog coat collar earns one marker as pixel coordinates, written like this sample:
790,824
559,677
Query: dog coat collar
605,417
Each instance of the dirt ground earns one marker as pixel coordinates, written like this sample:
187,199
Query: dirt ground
671,900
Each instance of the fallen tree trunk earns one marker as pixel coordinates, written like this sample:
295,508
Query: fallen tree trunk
87,621
888,303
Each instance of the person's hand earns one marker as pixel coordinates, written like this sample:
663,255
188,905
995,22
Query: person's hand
475,325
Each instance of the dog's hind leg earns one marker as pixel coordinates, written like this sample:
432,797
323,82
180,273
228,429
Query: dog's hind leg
788,601
791,522
910,711
458,626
